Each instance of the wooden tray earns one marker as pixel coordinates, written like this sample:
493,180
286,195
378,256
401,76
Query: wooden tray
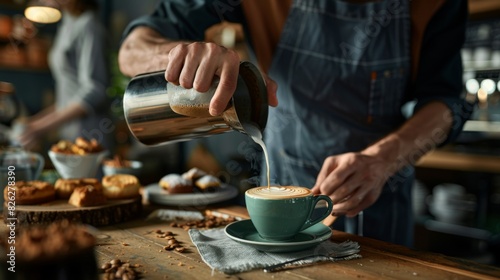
114,211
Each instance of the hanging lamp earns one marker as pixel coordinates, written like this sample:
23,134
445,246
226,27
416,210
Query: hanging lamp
43,11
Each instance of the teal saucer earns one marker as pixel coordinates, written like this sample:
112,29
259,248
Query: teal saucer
244,232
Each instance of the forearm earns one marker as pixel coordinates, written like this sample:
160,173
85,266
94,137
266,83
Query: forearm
58,117
47,111
144,50
420,134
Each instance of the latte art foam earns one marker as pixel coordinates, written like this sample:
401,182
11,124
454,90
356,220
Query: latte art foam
278,192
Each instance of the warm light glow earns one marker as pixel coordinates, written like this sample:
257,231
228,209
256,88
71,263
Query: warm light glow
482,95
488,85
472,86
42,14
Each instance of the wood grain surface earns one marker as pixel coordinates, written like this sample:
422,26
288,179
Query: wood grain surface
137,242
114,211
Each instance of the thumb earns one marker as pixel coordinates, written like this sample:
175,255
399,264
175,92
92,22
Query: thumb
272,88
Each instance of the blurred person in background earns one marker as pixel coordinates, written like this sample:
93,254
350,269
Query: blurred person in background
342,71
79,64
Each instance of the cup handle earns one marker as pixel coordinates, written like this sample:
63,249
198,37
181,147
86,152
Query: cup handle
329,208
40,166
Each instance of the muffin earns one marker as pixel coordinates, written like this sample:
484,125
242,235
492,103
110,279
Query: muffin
120,186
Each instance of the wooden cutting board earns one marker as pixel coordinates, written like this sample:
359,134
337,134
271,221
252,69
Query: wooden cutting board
114,211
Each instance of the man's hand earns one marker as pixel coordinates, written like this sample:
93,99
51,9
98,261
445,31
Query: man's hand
194,65
188,64
353,181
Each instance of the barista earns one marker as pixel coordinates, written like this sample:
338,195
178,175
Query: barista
344,71
78,62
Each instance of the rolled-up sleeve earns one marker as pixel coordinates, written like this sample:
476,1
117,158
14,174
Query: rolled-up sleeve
439,77
188,19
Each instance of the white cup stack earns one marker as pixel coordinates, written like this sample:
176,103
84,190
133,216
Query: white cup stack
451,204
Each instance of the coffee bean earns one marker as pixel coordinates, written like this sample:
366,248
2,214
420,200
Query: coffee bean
119,273
180,249
172,241
105,266
110,270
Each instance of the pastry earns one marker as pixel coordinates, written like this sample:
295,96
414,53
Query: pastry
194,174
59,250
30,192
118,162
88,195
120,186
64,187
80,147
207,182
175,183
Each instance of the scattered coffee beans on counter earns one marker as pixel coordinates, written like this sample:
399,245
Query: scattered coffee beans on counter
209,221
173,244
117,269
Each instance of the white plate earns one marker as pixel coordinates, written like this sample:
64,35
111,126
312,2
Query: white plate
156,194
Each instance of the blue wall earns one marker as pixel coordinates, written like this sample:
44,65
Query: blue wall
30,86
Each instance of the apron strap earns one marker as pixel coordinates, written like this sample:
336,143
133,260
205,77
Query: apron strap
265,20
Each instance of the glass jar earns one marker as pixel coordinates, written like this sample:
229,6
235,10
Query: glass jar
9,106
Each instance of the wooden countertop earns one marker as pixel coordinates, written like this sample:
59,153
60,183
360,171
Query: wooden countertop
135,241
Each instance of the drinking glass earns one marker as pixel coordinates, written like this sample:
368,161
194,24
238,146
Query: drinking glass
354,225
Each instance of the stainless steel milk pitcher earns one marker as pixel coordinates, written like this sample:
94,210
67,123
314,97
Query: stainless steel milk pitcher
158,112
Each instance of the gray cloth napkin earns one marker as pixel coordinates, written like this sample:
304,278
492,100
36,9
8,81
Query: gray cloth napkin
224,254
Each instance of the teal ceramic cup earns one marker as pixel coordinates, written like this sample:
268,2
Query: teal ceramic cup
280,212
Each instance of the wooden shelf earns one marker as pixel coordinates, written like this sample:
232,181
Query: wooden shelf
460,161
490,129
26,68
484,8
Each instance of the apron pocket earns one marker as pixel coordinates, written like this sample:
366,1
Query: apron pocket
386,92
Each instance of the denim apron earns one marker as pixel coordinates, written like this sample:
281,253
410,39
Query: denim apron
342,70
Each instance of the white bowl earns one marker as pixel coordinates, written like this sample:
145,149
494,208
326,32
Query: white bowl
446,191
77,166
452,210
134,168
449,215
